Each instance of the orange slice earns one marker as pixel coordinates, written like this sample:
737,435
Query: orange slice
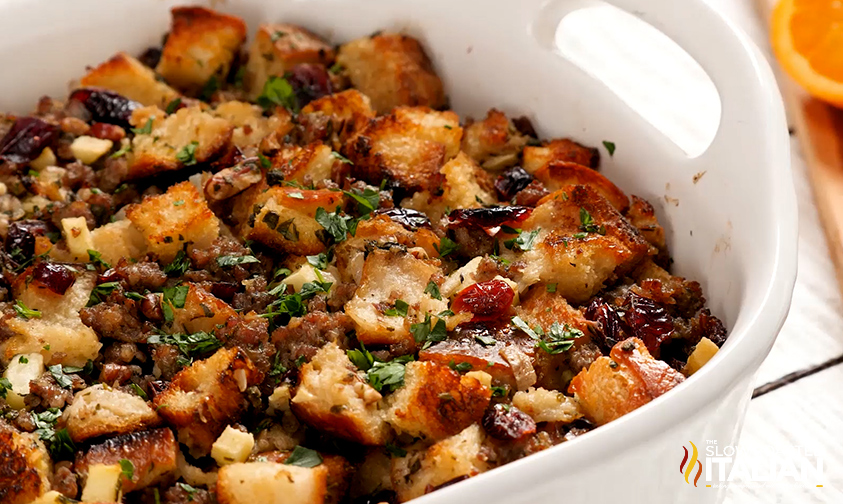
807,38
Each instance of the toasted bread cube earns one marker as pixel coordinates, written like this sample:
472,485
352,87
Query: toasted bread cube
24,467
100,410
577,260
284,218
116,240
337,117
59,334
305,165
642,215
232,446
547,405
338,478
102,484
703,352
563,150
206,396
153,454
202,312
187,137
250,126
436,402
279,47
21,370
493,142
393,70
408,146
457,456
557,174
626,380
271,483
332,397
389,275
127,76
466,186
176,220
201,44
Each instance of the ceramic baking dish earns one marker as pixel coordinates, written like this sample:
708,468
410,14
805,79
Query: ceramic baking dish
711,154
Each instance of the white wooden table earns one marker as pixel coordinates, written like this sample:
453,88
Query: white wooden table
799,394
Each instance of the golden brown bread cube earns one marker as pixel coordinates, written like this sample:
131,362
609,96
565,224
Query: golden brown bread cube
271,483
408,146
201,44
642,215
202,311
626,380
100,410
59,334
389,275
127,76
457,456
332,397
308,164
547,405
25,467
581,243
153,455
393,70
284,218
185,138
338,467
557,174
250,126
279,47
206,396
336,118
494,142
436,402
562,150
177,220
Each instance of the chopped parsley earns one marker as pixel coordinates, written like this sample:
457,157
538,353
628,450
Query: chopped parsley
23,360
190,345
433,290
24,311
173,297
139,391
59,441
336,68
5,386
499,392
179,266
446,246
610,147
388,375
319,261
122,152
304,457
367,201
524,241
587,224
265,163
399,310
341,157
485,340
187,154
173,106
59,375
429,332
559,338
336,226
361,358
551,287
277,91
276,35
146,129
96,259
462,367
127,468
208,90
395,451
229,260
189,490
101,291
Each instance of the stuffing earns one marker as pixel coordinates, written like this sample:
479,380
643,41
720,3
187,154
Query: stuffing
494,142
201,44
336,118
127,76
332,397
626,380
202,312
547,405
309,164
557,174
392,70
25,467
100,410
170,142
642,215
250,126
177,220
388,276
117,240
564,150
271,483
436,402
279,47
205,396
338,477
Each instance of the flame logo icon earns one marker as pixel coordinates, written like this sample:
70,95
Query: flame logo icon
687,471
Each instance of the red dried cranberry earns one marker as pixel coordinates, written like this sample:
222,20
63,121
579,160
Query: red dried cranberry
150,57
20,240
486,300
705,324
55,277
648,321
508,423
488,217
525,126
410,219
510,182
107,131
27,138
606,330
309,81
105,106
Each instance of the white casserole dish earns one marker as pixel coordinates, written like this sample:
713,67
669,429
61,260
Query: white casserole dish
733,229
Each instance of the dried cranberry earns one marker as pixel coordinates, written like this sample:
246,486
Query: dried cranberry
705,324
508,423
105,106
55,277
20,240
486,300
410,219
525,126
224,290
606,330
107,131
648,321
488,217
510,182
309,81
150,57
27,138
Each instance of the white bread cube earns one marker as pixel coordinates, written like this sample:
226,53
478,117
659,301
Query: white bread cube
127,76
547,405
100,410
116,240
271,483
493,142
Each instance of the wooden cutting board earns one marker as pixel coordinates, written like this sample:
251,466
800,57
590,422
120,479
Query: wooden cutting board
819,128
